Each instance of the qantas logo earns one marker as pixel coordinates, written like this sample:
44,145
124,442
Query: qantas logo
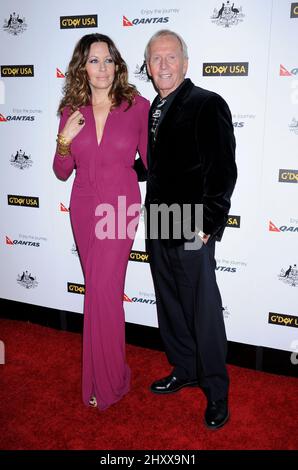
20,242
126,22
59,74
63,208
283,72
139,299
126,298
16,118
136,21
282,228
272,227
227,269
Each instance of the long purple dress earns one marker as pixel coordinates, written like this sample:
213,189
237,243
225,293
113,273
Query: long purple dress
104,172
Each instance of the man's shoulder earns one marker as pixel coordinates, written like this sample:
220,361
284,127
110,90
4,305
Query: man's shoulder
207,98
204,94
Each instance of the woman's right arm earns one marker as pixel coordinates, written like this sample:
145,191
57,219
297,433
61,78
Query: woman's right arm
63,165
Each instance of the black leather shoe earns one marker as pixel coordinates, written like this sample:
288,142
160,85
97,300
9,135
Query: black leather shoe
171,384
217,413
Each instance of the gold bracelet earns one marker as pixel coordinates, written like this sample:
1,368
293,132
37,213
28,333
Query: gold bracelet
62,140
63,150
63,146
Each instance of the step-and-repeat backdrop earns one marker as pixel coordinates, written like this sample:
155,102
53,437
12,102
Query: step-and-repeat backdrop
244,50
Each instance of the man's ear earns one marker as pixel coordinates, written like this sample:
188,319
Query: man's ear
148,69
185,66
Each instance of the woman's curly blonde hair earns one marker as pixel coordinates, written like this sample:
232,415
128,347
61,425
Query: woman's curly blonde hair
77,92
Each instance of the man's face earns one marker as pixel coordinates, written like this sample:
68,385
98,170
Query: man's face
166,64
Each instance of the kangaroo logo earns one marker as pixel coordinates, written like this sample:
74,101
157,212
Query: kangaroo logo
141,72
15,25
289,276
21,160
27,280
227,15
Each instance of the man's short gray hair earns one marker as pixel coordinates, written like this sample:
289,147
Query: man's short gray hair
166,32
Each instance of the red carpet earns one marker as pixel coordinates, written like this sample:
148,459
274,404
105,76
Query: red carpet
41,408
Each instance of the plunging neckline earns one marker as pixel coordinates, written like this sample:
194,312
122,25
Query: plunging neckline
104,127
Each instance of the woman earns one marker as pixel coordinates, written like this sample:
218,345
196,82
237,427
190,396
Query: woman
103,123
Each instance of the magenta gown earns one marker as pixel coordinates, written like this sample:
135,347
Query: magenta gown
104,172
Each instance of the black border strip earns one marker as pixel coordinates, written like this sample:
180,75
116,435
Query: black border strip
139,458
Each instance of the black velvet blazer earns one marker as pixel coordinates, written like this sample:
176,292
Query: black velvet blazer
193,160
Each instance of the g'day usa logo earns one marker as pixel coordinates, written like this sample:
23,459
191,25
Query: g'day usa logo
75,288
139,256
233,221
294,10
81,21
282,319
288,176
24,201
225,69
17,71
15,24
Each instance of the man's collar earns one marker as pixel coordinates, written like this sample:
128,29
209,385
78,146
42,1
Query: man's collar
173,93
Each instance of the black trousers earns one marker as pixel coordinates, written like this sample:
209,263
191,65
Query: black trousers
190,315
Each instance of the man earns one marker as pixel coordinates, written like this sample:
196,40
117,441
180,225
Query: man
191,161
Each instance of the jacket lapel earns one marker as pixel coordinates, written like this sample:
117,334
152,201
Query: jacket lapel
175,108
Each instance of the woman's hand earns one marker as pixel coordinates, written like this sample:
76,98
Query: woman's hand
73,126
